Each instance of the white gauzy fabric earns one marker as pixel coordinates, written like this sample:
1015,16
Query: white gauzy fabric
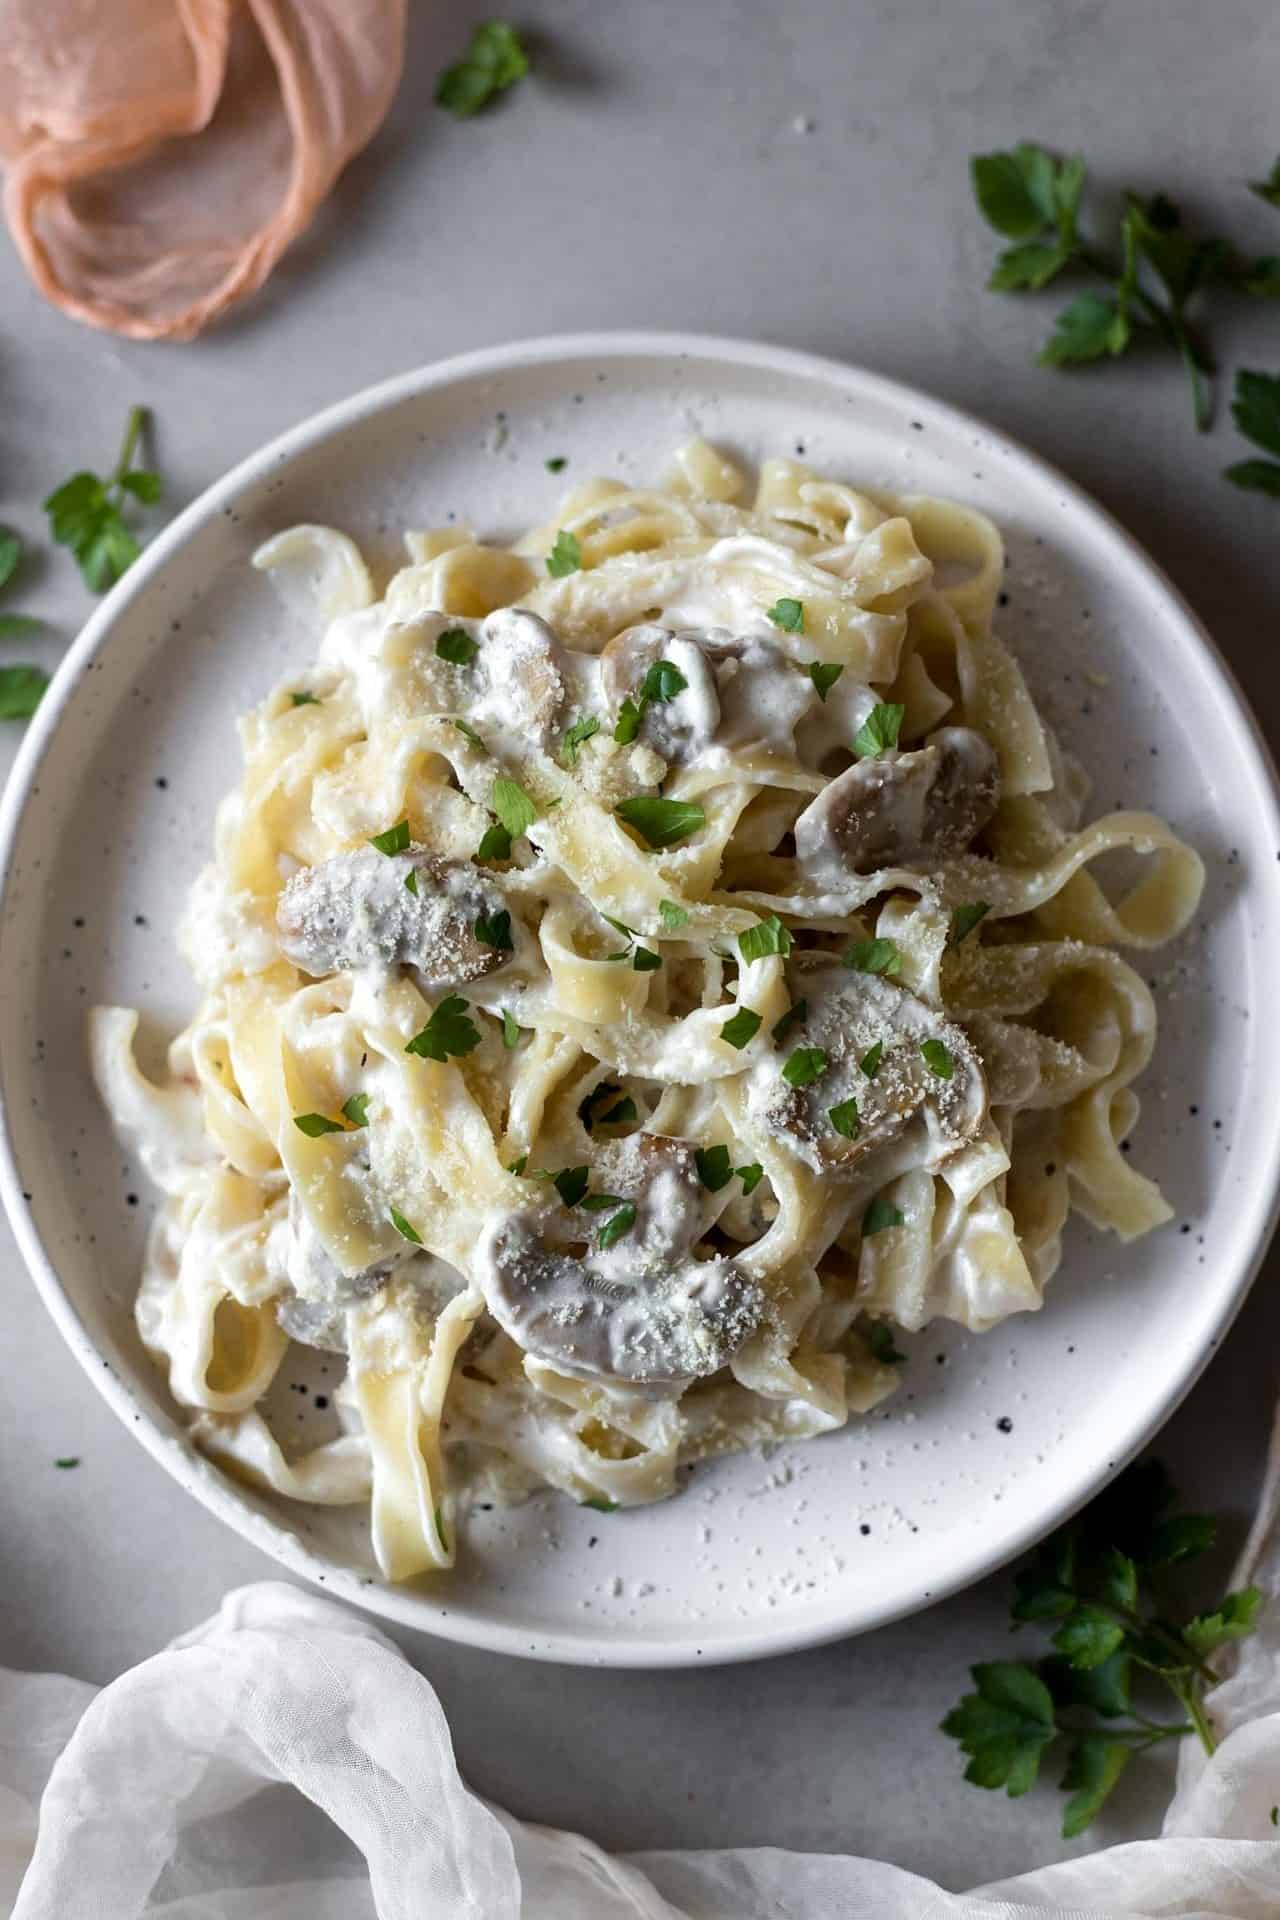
284,1762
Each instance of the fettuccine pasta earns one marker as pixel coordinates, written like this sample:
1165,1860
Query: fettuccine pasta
644,968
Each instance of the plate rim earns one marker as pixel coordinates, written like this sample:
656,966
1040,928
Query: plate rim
409,1606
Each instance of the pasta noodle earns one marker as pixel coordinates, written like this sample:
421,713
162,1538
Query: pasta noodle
642,968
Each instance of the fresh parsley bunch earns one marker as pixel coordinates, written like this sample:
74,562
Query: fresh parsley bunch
1101,1579
86,513
1151,272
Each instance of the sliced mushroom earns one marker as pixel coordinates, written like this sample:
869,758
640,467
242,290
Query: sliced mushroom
763,694
518,677
901,809
355,910
932,1102
644,1310
683,727
313,1310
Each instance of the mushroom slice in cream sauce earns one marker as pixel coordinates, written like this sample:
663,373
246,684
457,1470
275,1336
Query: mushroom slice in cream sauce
645,1310
912,809
848,1015
355,911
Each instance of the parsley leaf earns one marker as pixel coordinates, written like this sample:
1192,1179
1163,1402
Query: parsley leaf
508,799
788,614
1094,1766
663,682
314,1124
938,1058
571,1184
495,843
627,725
304,700
1087,329
494,930
881,1214
494,60
622,1222
715,1169
1268,189
556,464
766,937
510,1030
795,1013
662,823
741,1028
879,731
1004,1727
878,1335
645,960
869,1065
619,1116
1256,411
394,840
750,1176
844,1118
824,674
68,1461
565,556
457,647
356,1110
874,956
673,916
598,1502
447,1032
411,881
86,512
804,1066
404,1229
14,626
21,690
10,554
468,733
1232,1619
1019,192
965,919
582,729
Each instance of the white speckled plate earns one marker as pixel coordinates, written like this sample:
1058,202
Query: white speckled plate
991,1440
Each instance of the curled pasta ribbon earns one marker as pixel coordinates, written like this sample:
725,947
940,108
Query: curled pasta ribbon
337,1473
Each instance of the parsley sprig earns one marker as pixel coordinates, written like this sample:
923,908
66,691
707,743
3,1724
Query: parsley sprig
494,60
1153,270
1101,1580
86,513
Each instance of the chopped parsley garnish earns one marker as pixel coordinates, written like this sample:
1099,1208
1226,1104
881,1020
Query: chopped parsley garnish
627,725
881,1214
68,1460
878,1335
673,916
494,60
314,1124
495,844
645,960
966,918
824,674
794,1014
804,1066
879,731
86,513
411,881
788,614
508,799
582,729
767,936
457,647
494,930
356,1110
619,926
468,733
394,840
598,1503
844,1118
622,1222
663,682
603,1090
938,1058
447,1032
518,1166
556,464
874,956
304,700
21,691
601,1202
715,1169
441,1535
870,1061
510,1030
741,1028
662,823
404,1229
565,556
750,1176
571,1184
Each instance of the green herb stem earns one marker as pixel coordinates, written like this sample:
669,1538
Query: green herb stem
134,427
1190,1698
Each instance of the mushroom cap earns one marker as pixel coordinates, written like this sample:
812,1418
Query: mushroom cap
644,1310
518,675
848,1015
355,910
914,809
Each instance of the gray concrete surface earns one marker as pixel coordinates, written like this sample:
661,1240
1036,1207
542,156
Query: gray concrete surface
655,172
